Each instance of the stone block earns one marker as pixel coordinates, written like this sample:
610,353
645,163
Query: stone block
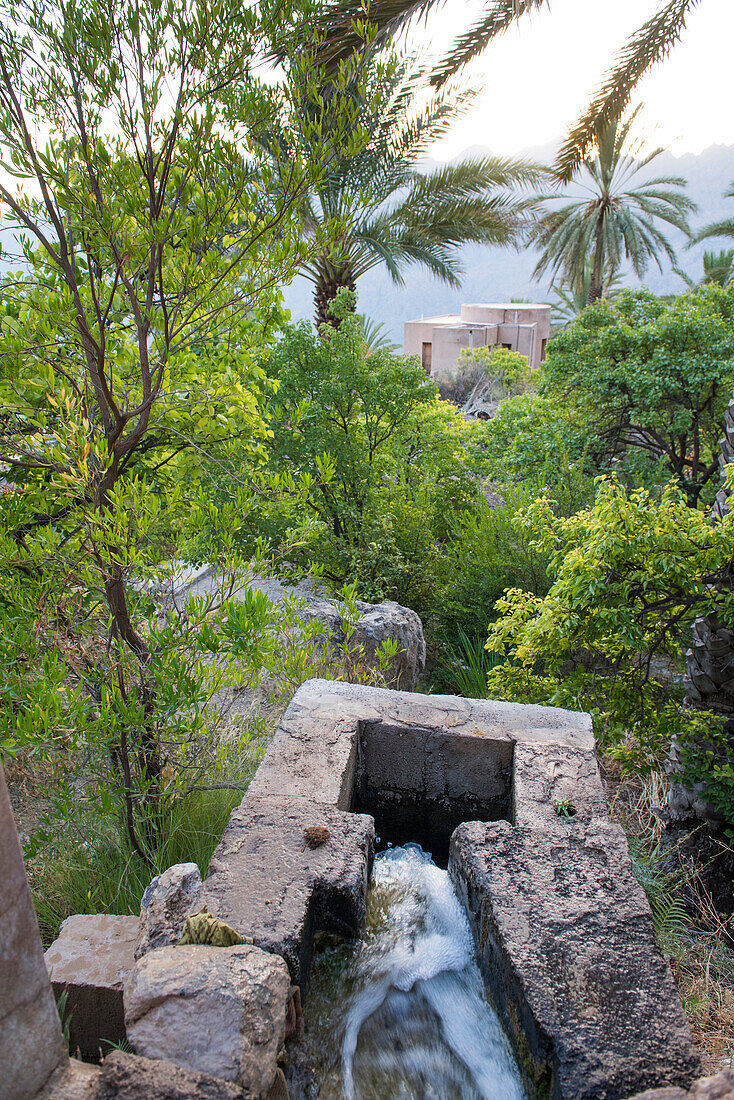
31,1043
214,1010
167,902
567,948
272,887
90,961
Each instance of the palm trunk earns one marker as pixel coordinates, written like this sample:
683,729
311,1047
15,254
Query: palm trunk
331,278
709,679
595,286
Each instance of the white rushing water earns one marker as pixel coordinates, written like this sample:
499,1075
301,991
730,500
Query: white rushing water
416,1024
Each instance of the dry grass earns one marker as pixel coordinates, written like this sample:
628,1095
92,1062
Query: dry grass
704,973
701,950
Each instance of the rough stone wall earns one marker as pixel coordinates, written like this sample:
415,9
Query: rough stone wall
31,1044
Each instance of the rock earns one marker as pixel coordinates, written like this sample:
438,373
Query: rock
568,951
73,1081
391,621
31,1044
89,962
214,1010
167,902
129,1077
720,1087
277,889
377,623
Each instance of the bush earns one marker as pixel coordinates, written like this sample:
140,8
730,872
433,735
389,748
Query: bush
488,374
489,551
650,378
629,574
384,466
533,438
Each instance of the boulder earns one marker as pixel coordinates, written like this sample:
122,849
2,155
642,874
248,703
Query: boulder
377,622
129,1077
720,1087
89,962
167,902
214,1010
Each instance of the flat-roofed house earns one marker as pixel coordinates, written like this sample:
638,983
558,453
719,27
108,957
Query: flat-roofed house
520,326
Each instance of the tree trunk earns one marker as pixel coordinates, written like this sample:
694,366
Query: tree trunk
595,286
331,278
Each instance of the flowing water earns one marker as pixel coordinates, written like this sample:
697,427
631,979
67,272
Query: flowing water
402,1014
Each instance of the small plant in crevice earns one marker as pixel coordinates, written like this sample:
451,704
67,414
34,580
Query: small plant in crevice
64,1016
564,807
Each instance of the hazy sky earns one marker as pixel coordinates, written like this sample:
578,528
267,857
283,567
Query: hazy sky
538,76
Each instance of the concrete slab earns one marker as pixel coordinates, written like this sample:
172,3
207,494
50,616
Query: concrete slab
568,951
566,930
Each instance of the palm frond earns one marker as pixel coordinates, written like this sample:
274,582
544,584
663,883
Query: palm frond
338,25
716,229
376,336
649,44
498,17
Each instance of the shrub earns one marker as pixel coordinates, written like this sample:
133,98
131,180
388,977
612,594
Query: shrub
650,378
535,438
489,374
628,576
384,465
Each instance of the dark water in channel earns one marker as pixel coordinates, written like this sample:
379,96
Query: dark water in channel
401,1015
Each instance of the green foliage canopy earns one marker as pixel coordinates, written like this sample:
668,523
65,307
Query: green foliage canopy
386,463
649,377
629,574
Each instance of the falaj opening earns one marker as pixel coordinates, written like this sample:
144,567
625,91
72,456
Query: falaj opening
419,784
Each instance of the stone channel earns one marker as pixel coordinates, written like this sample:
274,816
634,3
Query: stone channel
563,932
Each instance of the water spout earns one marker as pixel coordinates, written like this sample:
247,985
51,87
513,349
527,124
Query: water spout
416,1021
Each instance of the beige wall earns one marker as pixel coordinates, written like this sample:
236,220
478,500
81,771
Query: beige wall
437,341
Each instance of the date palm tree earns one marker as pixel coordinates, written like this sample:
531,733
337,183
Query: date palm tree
648,45
615,218
381,206
718,270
